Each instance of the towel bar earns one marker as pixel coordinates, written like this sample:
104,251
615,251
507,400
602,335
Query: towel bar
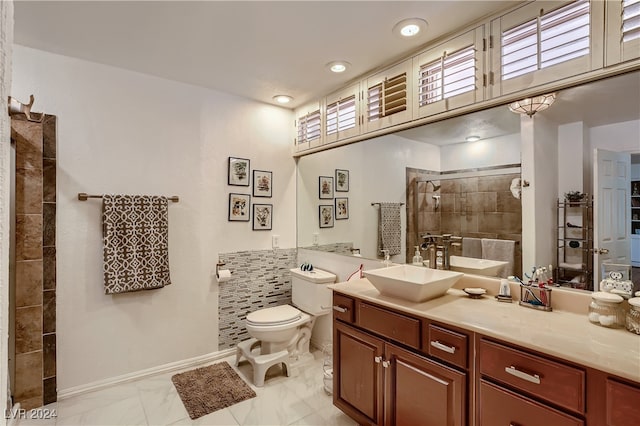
83,196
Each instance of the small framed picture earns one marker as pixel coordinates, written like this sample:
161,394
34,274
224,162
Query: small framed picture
262,181
325,189
239,205
342,180
326,216
342,208
262,216
238,171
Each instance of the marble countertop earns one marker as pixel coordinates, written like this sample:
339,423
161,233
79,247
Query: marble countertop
558,333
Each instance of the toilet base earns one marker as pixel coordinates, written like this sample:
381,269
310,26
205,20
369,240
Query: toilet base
249,350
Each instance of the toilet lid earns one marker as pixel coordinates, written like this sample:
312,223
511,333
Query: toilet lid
276,315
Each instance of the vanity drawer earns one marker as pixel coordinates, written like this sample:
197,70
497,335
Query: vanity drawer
343,308
398,327
501,407
555,382
446,345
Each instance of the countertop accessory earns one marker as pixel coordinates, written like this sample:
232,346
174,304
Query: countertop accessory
633,316
605,309
535,296
474,292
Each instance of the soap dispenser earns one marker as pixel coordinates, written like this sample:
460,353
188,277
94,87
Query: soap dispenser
417,259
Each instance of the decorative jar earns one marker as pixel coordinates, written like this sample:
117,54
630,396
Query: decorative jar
606,310
633,316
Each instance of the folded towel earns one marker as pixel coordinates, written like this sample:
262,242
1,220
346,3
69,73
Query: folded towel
136,243
389,228
472,247
503,250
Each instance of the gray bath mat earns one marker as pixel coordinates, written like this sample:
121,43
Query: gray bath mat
208,389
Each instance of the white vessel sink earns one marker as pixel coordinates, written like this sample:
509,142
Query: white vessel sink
413,283
471,265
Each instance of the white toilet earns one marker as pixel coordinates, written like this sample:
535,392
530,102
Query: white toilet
281,334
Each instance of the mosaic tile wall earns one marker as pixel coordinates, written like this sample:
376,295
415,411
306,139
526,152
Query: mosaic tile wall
260,279
339,248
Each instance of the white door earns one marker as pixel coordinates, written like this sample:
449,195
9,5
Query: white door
612,242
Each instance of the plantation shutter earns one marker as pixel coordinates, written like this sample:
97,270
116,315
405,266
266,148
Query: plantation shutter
630,20
448,76
554,37
387,98
309,127
341,115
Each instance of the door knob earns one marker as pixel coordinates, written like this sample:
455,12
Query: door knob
601,251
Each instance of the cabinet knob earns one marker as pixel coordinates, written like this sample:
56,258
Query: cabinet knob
386,363
377,359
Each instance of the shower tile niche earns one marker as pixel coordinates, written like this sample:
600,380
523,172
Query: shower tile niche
34,384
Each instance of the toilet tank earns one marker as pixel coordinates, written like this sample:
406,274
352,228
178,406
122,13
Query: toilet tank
309,290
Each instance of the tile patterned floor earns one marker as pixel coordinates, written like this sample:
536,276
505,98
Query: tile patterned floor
296,400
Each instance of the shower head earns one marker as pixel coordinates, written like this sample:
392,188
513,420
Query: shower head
435,187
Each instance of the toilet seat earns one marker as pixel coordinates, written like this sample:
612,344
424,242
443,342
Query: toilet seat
275,316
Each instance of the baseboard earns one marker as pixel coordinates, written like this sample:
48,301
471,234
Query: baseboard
125,378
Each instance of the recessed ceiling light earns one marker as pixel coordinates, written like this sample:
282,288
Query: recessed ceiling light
410,27
338,66
282,99
472,138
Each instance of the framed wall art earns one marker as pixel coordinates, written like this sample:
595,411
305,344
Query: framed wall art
342,180
342,208
262,217
325,188
238,171
239,205
326,216
262,183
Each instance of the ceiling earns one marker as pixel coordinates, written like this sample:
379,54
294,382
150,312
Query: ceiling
608,101
251,49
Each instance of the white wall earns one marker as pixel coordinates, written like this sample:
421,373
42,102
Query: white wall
6,42
483,153
125,132
377,173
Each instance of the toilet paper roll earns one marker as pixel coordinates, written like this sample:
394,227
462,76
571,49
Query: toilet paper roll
223,275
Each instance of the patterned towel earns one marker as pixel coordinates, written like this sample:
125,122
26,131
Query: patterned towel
136,242
389,228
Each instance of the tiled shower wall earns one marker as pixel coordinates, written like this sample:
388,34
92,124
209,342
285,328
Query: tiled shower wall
479,207
35,259
260,279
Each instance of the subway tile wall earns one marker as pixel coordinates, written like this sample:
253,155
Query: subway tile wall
260,279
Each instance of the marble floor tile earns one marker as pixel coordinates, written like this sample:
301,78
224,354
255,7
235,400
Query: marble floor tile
70,407
161,402
124,412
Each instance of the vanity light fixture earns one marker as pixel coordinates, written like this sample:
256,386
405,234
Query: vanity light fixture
532,105
338,66
282,99
472,138
409,27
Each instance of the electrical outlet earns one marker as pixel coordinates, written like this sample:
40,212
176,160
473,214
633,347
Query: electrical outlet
316,237
275,241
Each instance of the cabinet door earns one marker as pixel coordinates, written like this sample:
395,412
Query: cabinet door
419,391
388,97
449,75
342,114
622,404
308,127
622,31
499,406
357,374
545,41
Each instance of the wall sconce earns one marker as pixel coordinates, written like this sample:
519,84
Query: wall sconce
530,106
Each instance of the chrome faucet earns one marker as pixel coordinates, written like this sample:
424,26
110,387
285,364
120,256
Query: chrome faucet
430,247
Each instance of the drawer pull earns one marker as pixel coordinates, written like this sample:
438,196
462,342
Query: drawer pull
340,309
377,359
442,347
533,378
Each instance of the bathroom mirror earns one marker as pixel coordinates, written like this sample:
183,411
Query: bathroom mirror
395,168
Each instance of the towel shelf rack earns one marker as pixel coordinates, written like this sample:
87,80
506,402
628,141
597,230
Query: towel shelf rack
83,196
377,204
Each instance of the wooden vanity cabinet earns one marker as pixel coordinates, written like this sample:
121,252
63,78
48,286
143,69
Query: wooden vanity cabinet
382,372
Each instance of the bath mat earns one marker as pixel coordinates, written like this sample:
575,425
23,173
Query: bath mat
208,389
